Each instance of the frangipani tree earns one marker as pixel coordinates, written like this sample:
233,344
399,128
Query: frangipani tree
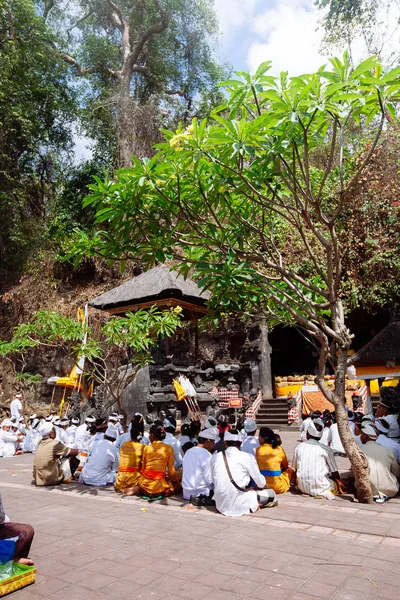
113,351
251,201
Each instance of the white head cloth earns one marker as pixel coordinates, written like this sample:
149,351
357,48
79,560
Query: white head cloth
19,396
313,430
232,437
113,418
6,423
49,418
90,420
34,416
211,433
210,422
57,422
75,421
389,426
64,422
45,428
111,432
370,430
13,419
249,425
168,423
120,417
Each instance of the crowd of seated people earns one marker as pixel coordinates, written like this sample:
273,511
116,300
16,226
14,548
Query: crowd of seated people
237,470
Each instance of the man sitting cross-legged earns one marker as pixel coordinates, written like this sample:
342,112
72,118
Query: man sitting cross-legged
102,465
51,463
384,469
232,471
315,464
196,478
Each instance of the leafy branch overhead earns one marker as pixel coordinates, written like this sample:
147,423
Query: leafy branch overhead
253,195
136,333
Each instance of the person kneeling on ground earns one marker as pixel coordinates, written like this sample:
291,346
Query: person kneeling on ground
158,476
272,461
231,472
51,462
23,532
130,461
102,465
196,477
315,465
383,466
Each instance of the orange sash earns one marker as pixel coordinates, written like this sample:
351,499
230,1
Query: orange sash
150,474
128,470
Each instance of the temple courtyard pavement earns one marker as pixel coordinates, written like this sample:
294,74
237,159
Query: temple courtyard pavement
91,543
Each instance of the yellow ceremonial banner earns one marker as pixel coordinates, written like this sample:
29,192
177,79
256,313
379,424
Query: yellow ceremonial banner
317,401
179,390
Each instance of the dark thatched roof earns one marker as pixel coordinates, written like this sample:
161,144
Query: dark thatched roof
152,286
385,346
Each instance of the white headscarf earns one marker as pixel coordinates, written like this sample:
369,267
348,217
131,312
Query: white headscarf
312,429
370,430
45,429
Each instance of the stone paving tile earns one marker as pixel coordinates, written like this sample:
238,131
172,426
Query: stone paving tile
271,592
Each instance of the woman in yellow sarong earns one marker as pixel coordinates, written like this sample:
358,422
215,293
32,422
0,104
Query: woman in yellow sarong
130,462
158,476
272,461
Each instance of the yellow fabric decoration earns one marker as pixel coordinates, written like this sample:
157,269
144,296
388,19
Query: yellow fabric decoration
179,390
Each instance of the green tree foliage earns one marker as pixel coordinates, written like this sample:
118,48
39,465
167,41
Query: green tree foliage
274,169
36,109
146,64
125,341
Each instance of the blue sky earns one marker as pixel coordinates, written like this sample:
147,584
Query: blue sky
284,31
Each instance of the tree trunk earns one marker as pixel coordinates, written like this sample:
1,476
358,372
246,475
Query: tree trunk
359,464
265,363
125,147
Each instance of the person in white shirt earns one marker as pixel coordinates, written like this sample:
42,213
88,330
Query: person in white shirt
186,435
113,421
384,470
315,465
316,414
16,407
170,428
33,437
250,442
120,427
196,475
334,439
385,427
9,440
232,478
71,431
102,465
101,427
82,433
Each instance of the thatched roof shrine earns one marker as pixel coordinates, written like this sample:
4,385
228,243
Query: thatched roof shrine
385,346
158,286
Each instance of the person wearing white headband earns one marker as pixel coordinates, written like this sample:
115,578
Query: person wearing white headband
51,463
317,471
170,428
32,437
102,465
71,431
232,471
386,427
196,475
384,470
9,439
82,434
16,407
250,442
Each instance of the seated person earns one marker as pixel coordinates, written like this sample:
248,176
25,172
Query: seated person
386,427
315,414
196,474
130,461
315,465
272,461
231,472
171,440
51,464
250,442
23,532
102,465
9,440
158,476
383,466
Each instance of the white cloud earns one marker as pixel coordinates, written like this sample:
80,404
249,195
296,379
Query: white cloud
289,38
234,14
